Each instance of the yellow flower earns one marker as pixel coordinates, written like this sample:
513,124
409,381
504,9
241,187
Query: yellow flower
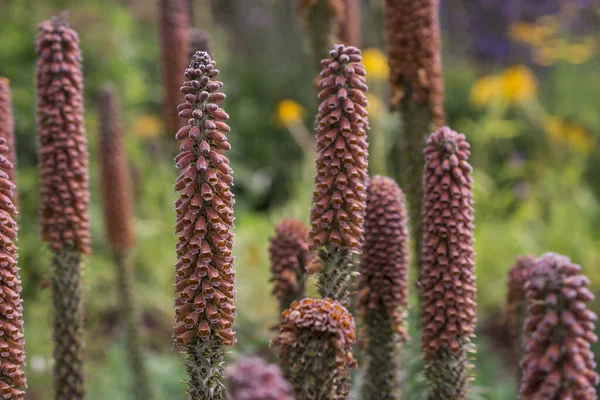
147,126
581,52
376,64
518,84
289,112
375,107
485,90
570,132
545,56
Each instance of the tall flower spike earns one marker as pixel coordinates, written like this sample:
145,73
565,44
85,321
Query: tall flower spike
12,358
7,131
204,288
290,261
448,277
516,305
338,205
315,347
414,48
320,19
254,379
383,287
174,40
559,362
117,202
64,196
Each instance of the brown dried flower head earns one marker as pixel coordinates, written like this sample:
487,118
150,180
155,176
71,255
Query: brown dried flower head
7,131
384,262
12,359
448,275
338,207
559,362
290,257
515,298
116,185
414,46
254,379
174,39
63,154
204,289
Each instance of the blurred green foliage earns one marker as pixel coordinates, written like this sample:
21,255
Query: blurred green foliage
536,185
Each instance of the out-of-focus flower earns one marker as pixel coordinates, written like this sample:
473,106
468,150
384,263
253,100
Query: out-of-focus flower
147,126
289,112
518,84
534,33
572,132
485,90
376,64
580,53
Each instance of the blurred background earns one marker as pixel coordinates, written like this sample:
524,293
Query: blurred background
522,82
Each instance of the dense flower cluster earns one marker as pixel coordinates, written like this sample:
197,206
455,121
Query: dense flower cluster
515,298
254,379
413,37
290,258
205,291
174,36
116,185
315,345
63,146
384,262
559,362
7,131
12,359
338,209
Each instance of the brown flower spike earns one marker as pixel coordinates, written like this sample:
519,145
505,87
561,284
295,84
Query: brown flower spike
413,36
448,277
559,362
116,185
64,196
204,288
174,41
315,346
290,259
338,205
12,358
254,379
7,131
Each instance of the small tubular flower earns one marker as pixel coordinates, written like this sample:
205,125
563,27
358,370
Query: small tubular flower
12,358
515,297
7,131
205,278
290,259
116,185
559,362
63,157
448,307
384,262
315,347
254,379
174,41
413,35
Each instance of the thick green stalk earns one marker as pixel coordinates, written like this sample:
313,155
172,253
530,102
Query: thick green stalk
67,296
335,277
447,375
382,374
130,323
205,370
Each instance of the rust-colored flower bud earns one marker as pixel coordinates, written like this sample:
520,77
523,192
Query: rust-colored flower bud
116,185
174,41
63,157
254,379
558,361
7,131
447,280
204,288
315,340
383,287
12,358
290,260
414,45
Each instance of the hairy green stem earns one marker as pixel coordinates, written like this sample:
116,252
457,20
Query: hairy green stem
67,297
448,374
335,277
205,369
130,323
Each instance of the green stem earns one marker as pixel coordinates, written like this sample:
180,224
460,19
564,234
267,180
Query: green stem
67,297
335,277
130,322
205,370
448,374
